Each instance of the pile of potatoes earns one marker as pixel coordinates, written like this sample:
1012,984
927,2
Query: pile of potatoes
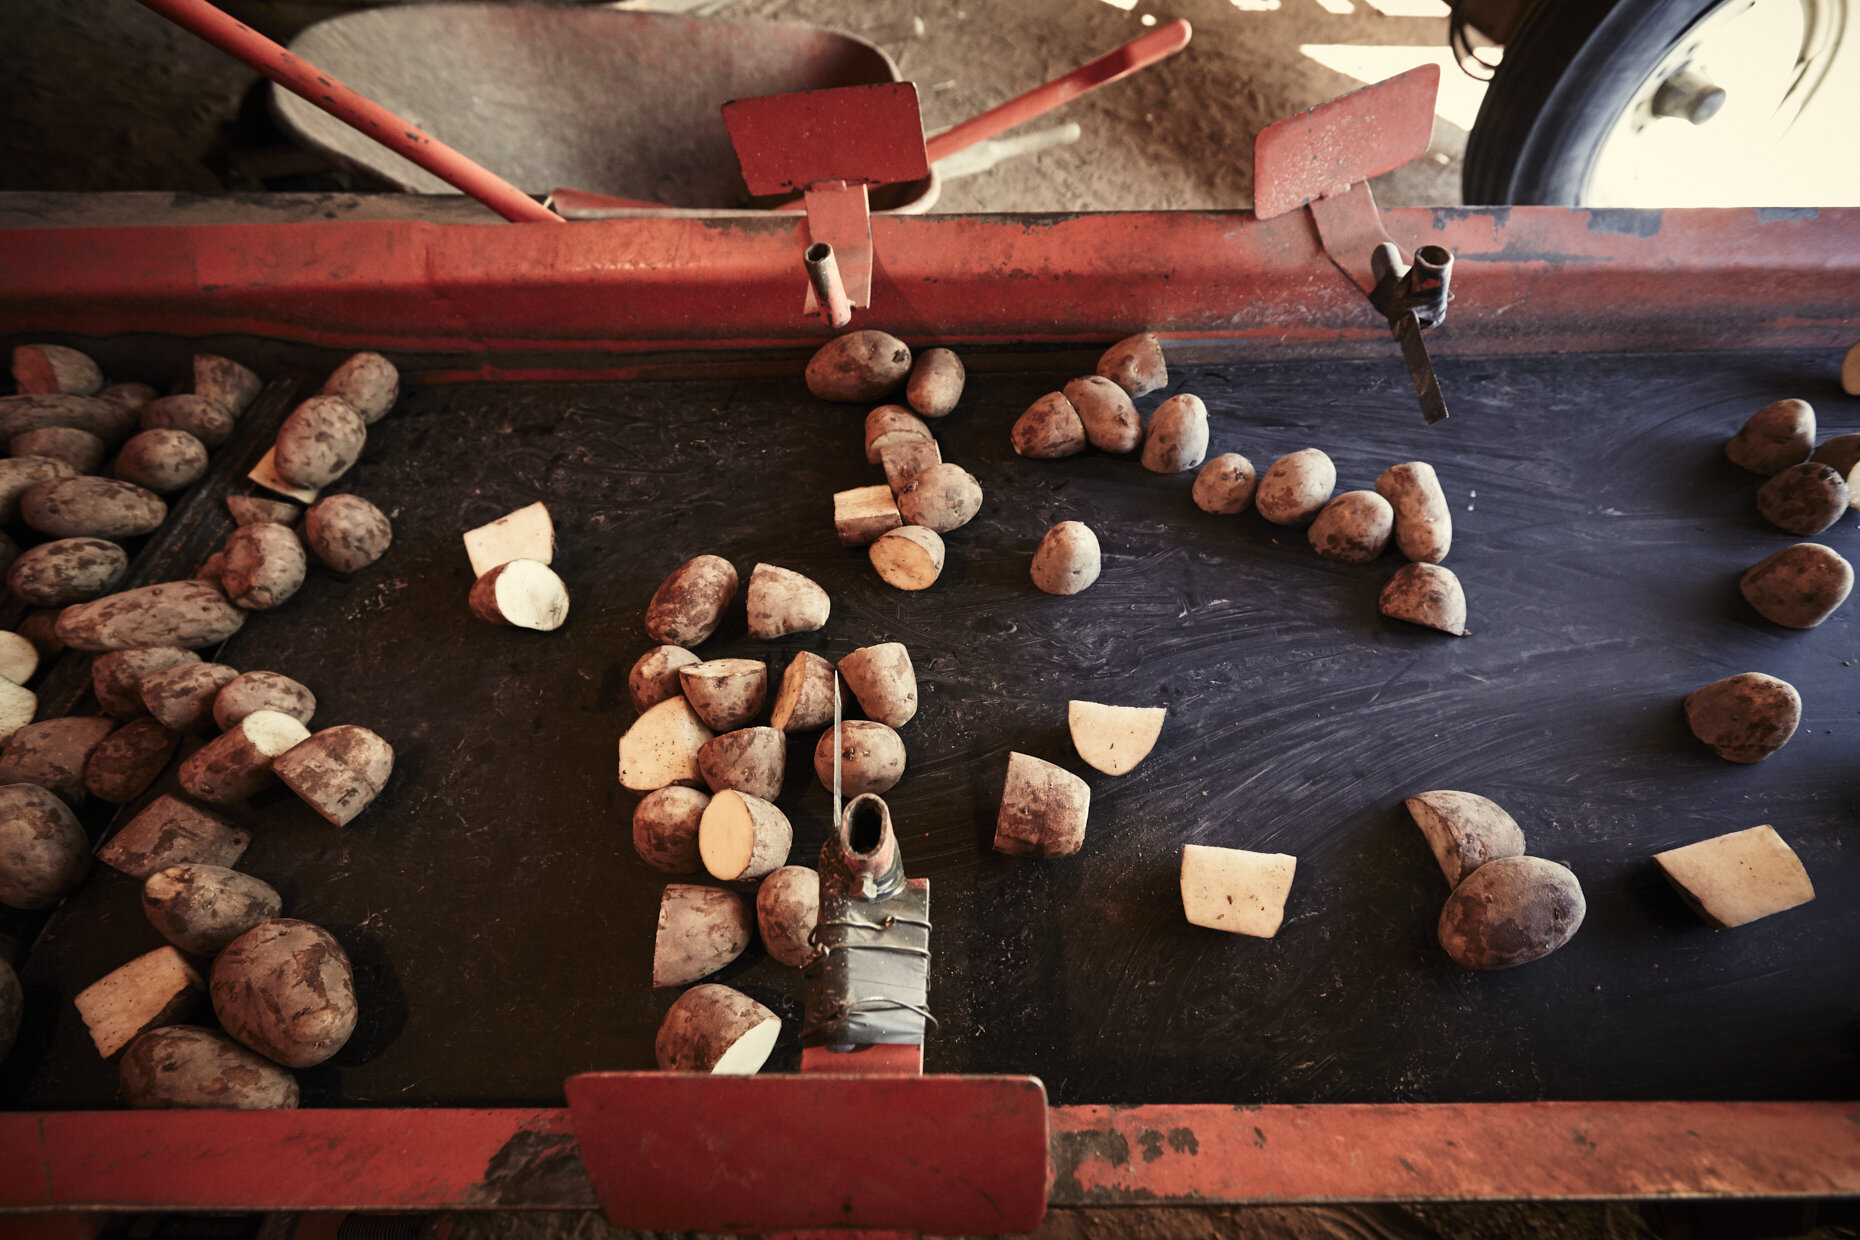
708,753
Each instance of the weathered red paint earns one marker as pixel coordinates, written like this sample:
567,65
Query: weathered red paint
863,135
1327,149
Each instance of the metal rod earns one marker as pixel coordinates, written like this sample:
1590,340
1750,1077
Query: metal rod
829,289
1118,63
237,39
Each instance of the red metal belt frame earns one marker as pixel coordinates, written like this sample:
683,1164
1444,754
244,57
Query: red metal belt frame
652,296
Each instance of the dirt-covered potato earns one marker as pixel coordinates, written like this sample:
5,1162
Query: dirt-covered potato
787,909
193,614
1428,595
655,676
904,461
1225,484
164,460
781,601
81,450
337,772
1777,436
52,368
1744,718
909,557
130,398
1465,830
181,697
186,1067
1804,499
524,594
1423,521
226,382
889,425
252,691
168,832
66,571
201,908
1136,364
1068,559
285,989
206,420
805,700
116,678
109,420
665,828
942,498
368,382
662,746
1511,911
713,1028
265,565
884,681
1112,423
749,760
701,929
689,604
92,508
346,532
246,509
1051,428
726,693
1799,586
861,515
238,764
44,853
1842,452
936,383
1354,528
318,443
53,753
20,474
129,760
741,837
1177,438
859,366
871,758
1043,809
1296,487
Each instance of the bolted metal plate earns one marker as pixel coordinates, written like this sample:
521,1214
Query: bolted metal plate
873,135
947,1155
1349,139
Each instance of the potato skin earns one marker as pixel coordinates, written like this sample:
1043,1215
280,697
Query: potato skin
936,383
347,533
1068,559
750,760
318,443
1744,718
206,420
1111,421
53,752
200,908
368,382
66,571
871,758
787,909
1136,364
942,498
1776,436
128,760
116,678
1423,521
1051,428
665,828
265,565
163,461
700,930
252,691
655,676
1804,499
1177,438
861,365
176,613
79,449
44,853
689,604
1799,586
92,508
20,474
1428,595
1511,911
181,697
285,989
191,1068
1354,528
338,772
1225,484
894,423
1296,487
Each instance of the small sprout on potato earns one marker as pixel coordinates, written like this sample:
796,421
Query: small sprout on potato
1744,718
1113,739
909,558
156,989
1136,364
665,828
781,601
725,693
701,929
1465,830
526,534
1112,423
1776,436
713,1028
1050,429
1427,595
1177,438
805,700
1043,809
787,910
1732,880
871,758
523,594
662,746
1296,487
859,366
742,836
1511,911
689,604
1235,890
936,383
1804,499
1225,484
884,681
1799,586
1354,528
864,514
1068,559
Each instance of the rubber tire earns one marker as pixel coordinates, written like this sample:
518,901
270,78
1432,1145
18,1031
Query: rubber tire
1565,80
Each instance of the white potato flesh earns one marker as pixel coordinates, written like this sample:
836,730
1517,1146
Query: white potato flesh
157,989
1234,890
748,1053
1734,879
17,707
528,595
265,473
662,746
19,658
526,534
1114,739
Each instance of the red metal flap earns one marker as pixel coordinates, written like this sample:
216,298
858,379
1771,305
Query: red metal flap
945,1155
1349,139
870,134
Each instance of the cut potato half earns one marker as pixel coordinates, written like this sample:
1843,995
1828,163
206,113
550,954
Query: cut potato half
1114,739
742,836
1735,879
526,534
1234,890
525,594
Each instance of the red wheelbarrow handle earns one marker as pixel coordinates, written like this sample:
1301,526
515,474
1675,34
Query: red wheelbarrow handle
237,39
1121,62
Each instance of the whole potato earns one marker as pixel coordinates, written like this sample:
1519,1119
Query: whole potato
368,382
1842,452
936,383
1423,521
44,853
81,450
285,989
206,420
1744,718
20,474
1225,484
265,565
1804,499
318,443
1777,436
109,420
861,365
226,382
128,760
1296,488
871,758
92,508
1799,586
1050,429
346,532
1136,364
1068,559
188,1067
1177,438
942,498
66,571
689,604
192,614
1511,911
1111,421
164,460
201,908
1354,528
665,828
787,908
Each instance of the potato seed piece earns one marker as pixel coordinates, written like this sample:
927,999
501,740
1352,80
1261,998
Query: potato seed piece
1465,830
861,365
201,908
54,368
689,604
318,443
1804,499
655,676
909,558
942,498
347,533
265,566
524,594
701,929
285,989
781,601
1235,890
1177,438
1428,595
1051,428
338,772
787,909
805,700
1511,911
186,1067
1734,879
225,382
871,758
863,514
152,990
369,383
665,828
526,534
662,746
1113,739
750,760
66,571
1112,423
883,680
206,420
1043,809
743,837
712,1028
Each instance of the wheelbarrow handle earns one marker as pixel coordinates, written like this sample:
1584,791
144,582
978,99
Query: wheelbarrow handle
237,39
1121,62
